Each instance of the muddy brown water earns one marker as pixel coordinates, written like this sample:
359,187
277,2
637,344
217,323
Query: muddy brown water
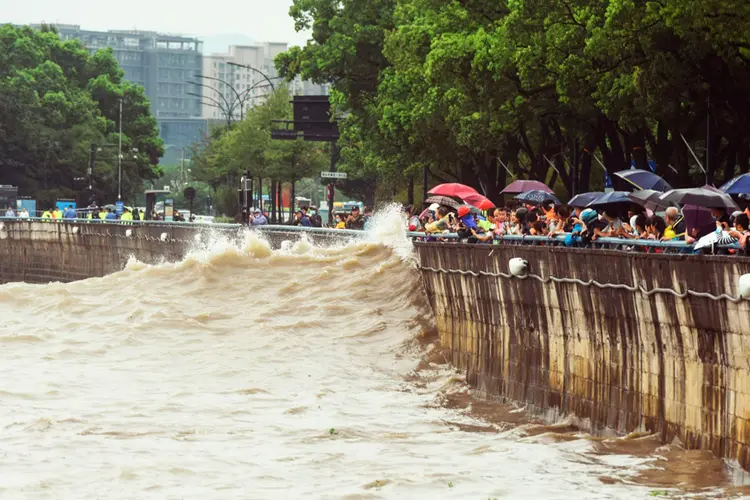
305,372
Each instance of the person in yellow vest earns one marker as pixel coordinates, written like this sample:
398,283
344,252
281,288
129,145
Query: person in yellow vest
47,214
141,214
126,214
102,214
57,214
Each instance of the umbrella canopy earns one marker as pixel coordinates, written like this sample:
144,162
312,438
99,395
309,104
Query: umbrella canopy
111,207
714,238
703,197
644,179
486,204
611,198
584,199
443,200
738,185
648,198
699,219
453,189
476,200
537,197
522,186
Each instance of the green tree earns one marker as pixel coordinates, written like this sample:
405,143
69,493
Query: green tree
55,101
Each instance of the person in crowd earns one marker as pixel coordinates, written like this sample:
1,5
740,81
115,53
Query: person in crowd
177,216
301,219
47,214
154,215
675,225
355,220
340,221
102,213
412,221
741,232
655,226
70,213
722,218
57,213
24,214
443,223
518,222
9,212
127,215
136,214
258,219
564,222
315,219
111,215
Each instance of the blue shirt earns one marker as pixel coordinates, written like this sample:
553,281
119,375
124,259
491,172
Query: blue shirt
111,216
69,214
305,221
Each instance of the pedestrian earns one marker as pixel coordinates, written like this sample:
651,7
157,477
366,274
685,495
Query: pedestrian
355,220
57,213
110,215
9,212
258,219
70,213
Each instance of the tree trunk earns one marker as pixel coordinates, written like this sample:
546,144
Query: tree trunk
410,194
292,201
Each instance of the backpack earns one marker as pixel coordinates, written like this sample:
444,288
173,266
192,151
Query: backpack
316,221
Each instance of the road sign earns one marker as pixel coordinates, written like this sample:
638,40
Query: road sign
119,207
333,175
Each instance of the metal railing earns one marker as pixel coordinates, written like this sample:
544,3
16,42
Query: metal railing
621,244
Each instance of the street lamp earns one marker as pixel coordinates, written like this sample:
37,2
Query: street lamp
119,158
273,88
237,94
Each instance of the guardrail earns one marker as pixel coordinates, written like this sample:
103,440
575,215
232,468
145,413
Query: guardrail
557,240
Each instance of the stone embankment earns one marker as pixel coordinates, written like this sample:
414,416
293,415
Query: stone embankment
36,251
623,341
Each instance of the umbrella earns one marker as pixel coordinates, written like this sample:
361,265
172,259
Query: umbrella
453,189
443,200
644,179
111,207
699,219
611,198
521,186
703,197
486,204
536,197
648,198
738,185
584,199
476,200
714,238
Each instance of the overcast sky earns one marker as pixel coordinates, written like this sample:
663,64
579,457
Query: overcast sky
261,20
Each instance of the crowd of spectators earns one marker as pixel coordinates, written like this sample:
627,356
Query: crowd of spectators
575,226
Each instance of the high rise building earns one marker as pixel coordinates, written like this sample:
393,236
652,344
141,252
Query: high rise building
235,81
164,65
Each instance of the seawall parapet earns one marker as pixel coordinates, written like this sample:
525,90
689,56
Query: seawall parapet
40,251
625,341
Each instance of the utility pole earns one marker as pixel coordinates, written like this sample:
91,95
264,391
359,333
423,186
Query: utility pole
92,160
182,167
119,159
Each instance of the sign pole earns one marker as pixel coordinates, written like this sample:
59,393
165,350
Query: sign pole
331,187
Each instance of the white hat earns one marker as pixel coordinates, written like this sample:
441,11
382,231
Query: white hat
434,207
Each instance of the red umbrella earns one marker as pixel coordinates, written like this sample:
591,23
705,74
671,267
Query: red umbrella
522,186
486,204
453,189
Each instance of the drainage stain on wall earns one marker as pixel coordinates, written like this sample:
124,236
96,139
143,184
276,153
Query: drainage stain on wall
619,358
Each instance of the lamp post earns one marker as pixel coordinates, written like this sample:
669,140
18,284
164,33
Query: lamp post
119,158
273,88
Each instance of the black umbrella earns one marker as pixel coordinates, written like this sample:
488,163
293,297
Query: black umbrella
584,199
650,199
702,196
644,179
611,198
537,197
443,200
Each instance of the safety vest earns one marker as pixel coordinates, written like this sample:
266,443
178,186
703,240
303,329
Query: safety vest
126,216
46,215
57,214
102,215
141,215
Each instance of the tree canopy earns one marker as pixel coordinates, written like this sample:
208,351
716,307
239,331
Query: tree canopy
476,90
246,147
55,101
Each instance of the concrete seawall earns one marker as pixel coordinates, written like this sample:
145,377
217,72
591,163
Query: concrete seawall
625,358
39,252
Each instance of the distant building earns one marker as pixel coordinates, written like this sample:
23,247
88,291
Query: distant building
164,65
251,86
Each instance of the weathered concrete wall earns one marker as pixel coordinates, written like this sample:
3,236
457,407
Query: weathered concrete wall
40,252
619,359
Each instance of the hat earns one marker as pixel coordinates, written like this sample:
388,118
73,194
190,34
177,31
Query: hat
588,216
434,207
463,210
257,211
355,207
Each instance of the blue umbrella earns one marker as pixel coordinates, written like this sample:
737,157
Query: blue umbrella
583,200
738,185
611,198
537,197
644,179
